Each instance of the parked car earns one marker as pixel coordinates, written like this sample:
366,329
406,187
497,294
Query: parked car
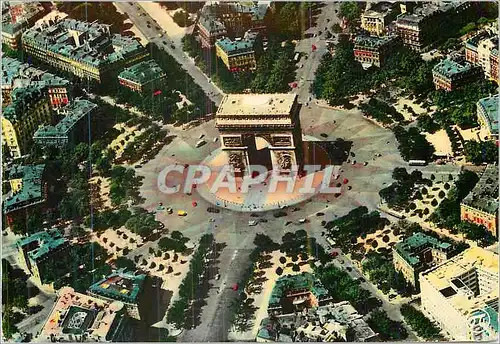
253,222
181,213
320,214
217,277
213,210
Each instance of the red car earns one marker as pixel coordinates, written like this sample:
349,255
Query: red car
334,254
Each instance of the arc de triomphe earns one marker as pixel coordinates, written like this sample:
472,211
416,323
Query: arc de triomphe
241,118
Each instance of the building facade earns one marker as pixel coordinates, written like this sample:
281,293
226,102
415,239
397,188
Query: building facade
482,50
296,292
487,115
29,190
87,50
72,129
453,292
38,249
376,17
480,206
30,108
230,19
373,51
77,317
418,253
237,55
16,75
454,72
16,17
143,76
122,286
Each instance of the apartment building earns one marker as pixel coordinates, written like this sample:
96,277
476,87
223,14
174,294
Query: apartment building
454,72
480,206
143,76
461,294
482,50
487,115
17,16
373,51
29,186
77,317
29,108
18,75
376,18
72,129
418,253
38,249
238,54
87,50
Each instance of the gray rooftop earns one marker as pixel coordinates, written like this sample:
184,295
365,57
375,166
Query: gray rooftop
484,196
411,248
74,112
489,107
31,191
373,42
90,43
16,74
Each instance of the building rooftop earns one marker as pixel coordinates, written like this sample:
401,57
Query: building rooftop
120,286
89,43
31,191
377,10
466,294
79,314
143,72
453,66
17,15
16,74
256,104
410,248
484,196
23,99
327,322
289,283
489,107
73,112
42,243
373,42
237,47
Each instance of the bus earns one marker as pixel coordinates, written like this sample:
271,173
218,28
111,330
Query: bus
417,162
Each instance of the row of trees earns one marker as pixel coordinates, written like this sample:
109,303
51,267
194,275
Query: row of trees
124,186
15,294
346,229
192,284
412,144
176,242
146,145
381,271
381,111
143,223
398,194
388,330
420,323
341,76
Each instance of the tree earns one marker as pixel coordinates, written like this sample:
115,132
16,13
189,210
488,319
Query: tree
387,328
123,262
279,271
420,323
181,18
481,152
350,10
9,318
336,28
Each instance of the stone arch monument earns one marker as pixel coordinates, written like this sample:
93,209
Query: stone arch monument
241,118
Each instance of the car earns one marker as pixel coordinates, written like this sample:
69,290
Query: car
263,220
303,220
323,135
279,214
211,220
213,210
334,254
288,223
253,222
172,46
319,213
169,210
181,213
361,280
217,277
137,166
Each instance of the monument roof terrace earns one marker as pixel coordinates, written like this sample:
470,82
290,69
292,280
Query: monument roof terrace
256,104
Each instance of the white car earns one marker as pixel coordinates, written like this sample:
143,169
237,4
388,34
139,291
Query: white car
217,277
253,222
